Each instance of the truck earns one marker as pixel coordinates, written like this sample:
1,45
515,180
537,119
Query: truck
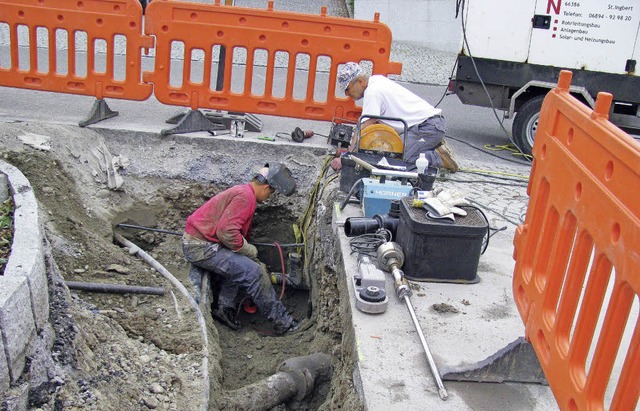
513,51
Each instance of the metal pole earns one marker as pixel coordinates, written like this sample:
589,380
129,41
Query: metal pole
114,288
432,364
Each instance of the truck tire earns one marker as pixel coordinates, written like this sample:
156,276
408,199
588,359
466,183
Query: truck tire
526,123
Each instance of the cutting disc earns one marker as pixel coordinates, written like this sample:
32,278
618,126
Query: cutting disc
380,137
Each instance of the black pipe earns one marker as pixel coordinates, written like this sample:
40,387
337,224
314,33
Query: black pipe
114,288
354,226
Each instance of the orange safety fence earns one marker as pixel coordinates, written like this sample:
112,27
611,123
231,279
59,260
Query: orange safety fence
248,60
577,271
72,46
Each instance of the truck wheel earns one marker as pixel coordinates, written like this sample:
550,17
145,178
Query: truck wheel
526,123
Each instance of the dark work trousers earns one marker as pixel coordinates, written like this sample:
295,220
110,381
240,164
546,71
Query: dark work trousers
424,138
234,271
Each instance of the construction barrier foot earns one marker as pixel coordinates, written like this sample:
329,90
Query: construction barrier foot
251,122
192,121
100,111
517,362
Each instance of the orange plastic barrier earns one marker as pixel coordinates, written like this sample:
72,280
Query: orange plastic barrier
258,53
577,272
68,46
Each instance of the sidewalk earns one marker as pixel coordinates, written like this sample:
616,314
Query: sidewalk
479,319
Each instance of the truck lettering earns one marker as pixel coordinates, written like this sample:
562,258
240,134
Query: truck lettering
555,4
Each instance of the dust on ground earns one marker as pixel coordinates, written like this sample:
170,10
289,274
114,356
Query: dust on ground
133,351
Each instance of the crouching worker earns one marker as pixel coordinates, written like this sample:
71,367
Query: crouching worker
215,242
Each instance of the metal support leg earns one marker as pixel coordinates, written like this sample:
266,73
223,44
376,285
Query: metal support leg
517,362
100,111
194,120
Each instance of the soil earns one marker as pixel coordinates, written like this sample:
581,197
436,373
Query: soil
136,351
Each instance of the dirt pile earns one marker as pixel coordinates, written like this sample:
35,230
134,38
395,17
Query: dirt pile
130,351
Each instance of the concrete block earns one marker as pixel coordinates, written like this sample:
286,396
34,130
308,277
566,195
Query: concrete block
29,262
4,188
16,321
4,369
27,253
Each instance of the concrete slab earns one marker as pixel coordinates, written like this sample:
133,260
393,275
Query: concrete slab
5,380
16,321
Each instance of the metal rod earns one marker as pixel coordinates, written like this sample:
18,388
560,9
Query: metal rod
432,364
139,227
114,288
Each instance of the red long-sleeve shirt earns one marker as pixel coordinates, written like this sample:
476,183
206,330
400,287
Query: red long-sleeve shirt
226,218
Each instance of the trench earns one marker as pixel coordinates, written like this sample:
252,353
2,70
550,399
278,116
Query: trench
125,346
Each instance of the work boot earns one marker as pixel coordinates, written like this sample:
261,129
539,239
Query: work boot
446,155
227,316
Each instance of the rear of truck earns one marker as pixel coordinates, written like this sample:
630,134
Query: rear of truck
513,52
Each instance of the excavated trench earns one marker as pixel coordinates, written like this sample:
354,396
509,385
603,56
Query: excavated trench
137,351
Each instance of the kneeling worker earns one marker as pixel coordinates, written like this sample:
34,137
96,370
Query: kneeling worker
215,240
384,97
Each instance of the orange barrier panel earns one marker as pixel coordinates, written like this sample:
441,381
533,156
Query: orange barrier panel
577,272
69,46
262,54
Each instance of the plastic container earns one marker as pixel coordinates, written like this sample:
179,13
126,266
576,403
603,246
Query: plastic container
438,251
421,164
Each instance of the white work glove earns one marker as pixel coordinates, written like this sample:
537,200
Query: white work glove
248,250
452,198
437,209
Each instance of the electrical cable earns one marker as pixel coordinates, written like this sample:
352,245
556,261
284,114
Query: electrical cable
446,89
486,244
461,4
498,183
488,152
368,243
497,213
284,274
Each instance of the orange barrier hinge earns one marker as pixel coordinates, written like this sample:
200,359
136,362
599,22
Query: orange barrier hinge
148,42
395,67
147,77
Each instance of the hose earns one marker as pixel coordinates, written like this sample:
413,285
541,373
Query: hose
351,192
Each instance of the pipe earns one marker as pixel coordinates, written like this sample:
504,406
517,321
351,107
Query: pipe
295,380
382,172
355,186
114,288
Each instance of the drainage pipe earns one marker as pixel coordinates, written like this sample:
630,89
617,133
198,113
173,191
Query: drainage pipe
134,249
114,288
296,380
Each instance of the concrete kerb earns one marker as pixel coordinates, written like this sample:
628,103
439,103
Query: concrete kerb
24,296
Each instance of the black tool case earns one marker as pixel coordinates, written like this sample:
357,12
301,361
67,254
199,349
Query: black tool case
439,251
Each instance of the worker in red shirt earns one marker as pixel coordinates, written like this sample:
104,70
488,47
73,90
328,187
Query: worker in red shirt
215,241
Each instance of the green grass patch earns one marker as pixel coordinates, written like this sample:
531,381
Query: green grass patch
6,231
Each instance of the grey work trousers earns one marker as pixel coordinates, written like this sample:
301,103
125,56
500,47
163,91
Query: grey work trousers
424,138
234,271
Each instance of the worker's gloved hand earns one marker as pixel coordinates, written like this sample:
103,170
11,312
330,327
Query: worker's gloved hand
248,250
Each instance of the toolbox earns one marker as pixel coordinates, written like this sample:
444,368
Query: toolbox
441,251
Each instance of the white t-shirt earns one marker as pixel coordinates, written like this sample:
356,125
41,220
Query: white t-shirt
384,97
